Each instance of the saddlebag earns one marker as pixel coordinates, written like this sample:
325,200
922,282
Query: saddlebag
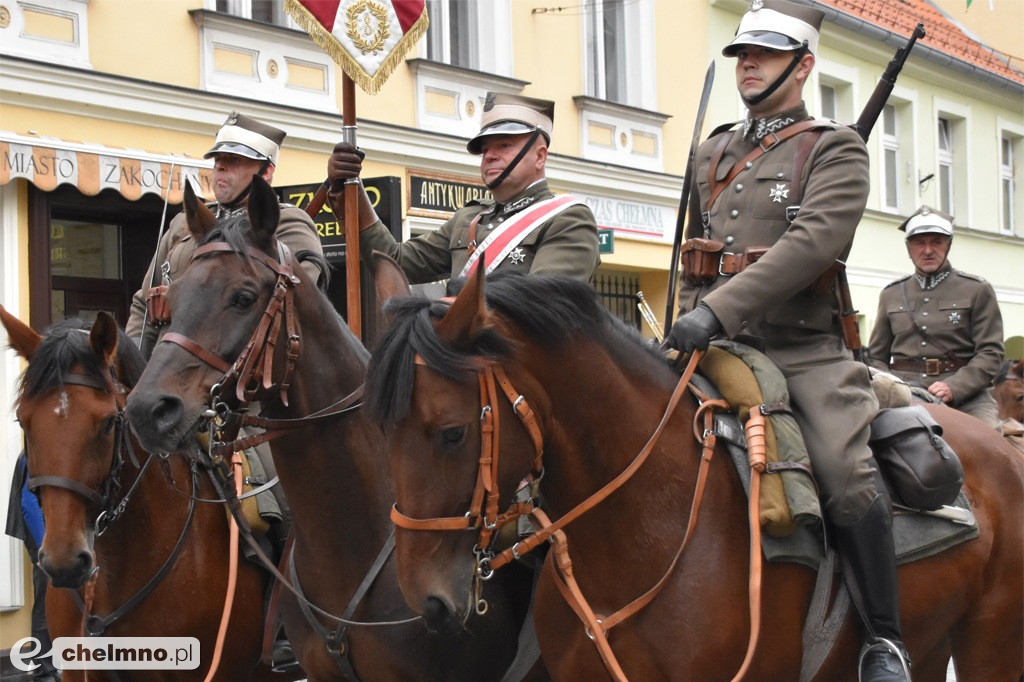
919,467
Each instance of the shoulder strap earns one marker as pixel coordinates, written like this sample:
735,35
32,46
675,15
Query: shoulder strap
472,232
803,150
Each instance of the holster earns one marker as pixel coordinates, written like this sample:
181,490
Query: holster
156,304
919,467
700,259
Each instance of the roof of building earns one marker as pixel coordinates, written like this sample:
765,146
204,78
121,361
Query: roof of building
941,32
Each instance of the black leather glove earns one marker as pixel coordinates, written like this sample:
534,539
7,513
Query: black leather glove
693,330
346,162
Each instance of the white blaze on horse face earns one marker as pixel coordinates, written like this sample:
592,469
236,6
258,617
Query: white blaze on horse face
61,410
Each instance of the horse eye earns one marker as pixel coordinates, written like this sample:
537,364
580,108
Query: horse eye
243,299
453,436
109,426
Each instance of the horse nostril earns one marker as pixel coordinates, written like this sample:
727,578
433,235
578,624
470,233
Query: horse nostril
167,412
436,615
85,561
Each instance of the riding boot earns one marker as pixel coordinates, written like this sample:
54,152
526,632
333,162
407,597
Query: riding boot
871,559
284,659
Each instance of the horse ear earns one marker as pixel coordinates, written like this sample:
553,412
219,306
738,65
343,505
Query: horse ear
468,316
198,217
103,338
23,340
264,212
391,280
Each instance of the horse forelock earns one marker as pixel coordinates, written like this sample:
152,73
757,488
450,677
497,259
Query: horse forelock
548,310
65,346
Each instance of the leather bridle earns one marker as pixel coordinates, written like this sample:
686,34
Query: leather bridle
105,498
253,371
483,515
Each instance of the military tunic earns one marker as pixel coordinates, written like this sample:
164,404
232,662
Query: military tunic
566,244
830,393
959,314
296,230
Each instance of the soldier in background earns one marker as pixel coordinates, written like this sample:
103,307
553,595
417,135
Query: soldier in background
557,235
779,201
940,329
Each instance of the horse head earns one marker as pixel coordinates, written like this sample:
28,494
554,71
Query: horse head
238,275
70,407
424,385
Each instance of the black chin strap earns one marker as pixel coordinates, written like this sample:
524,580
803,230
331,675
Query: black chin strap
515,162
757,99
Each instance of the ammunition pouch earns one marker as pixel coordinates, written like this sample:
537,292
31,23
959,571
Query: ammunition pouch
700,259
918,466
156,305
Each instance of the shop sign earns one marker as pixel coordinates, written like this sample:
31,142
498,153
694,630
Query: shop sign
636,219
385,195
435,195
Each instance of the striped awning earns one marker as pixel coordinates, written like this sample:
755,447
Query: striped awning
48,162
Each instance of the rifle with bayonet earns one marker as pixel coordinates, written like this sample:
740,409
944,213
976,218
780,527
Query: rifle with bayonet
866,121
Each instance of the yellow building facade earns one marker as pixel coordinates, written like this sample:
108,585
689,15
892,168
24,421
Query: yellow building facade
107,107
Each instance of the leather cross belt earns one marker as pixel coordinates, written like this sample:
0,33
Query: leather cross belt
927,366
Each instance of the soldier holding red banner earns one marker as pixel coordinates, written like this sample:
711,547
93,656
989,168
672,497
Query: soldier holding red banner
526,228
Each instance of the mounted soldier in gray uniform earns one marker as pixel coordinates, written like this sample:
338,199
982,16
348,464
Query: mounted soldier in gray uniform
940,329
778,202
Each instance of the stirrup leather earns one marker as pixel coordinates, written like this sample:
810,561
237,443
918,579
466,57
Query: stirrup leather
887,645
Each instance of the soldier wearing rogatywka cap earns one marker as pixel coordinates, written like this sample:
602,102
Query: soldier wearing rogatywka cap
775,203
557,235
940,329
244,147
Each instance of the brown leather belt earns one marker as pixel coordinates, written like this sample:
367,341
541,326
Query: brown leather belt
927,366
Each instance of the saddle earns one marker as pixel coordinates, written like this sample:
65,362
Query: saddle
921,471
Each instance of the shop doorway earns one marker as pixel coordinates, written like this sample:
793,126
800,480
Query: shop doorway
88,253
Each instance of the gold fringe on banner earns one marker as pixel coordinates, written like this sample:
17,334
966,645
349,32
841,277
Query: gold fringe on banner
352,68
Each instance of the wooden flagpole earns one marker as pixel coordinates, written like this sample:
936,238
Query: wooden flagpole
352,305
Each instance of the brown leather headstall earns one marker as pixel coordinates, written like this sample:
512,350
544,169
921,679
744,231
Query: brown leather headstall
253,371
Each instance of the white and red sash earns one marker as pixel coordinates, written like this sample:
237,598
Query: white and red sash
499,243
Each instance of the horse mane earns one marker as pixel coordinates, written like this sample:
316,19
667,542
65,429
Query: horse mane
65,345
234,229
549,310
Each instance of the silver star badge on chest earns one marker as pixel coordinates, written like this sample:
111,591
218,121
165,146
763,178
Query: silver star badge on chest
954,318
778,193
517,256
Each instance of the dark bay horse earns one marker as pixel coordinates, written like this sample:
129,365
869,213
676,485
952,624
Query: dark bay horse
596,394
334,471
70,406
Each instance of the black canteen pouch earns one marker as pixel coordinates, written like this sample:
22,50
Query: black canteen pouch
919,467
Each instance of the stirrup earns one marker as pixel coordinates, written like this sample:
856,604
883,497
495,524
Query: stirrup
888,645
283,659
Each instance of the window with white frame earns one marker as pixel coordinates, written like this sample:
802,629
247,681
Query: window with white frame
619,61
266,11
453,36
944,158
1010,149
829,101
891,158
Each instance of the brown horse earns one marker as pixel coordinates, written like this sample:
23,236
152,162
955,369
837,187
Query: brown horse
1008,390
595,394
116,512
333,470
